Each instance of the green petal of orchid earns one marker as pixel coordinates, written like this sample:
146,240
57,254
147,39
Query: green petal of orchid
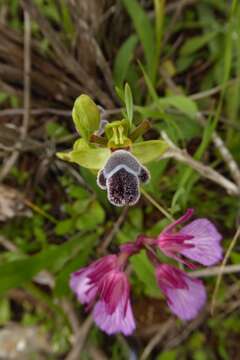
86,116
90,158
147,151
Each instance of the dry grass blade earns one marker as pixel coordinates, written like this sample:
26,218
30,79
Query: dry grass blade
157,338
156,204
106,242
80,339
225,153
218,142
204,170
215,270
66,58
27,84
27,74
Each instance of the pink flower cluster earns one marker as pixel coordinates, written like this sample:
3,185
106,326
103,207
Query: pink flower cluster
104,284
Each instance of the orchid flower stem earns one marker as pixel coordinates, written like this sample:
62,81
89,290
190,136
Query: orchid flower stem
221,271
155,203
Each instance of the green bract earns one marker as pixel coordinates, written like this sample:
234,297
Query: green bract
86,116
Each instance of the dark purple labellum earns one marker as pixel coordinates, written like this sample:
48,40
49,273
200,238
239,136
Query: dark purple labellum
121,177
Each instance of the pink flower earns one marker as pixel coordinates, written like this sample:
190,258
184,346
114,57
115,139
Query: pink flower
106,279
185,296
198,241
84,282
113,312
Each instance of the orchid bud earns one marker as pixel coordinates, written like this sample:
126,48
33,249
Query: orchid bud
86,116
121,177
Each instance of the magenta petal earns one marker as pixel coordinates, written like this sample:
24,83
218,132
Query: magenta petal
186,303
119,321
80,284
206,240
114,288
185,296
188,214
86,282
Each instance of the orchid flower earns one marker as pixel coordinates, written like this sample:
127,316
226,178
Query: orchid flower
112,150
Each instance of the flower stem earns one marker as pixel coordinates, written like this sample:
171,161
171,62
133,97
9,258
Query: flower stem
155,203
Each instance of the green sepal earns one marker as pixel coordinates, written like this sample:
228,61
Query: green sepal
94,159
91,158
80,144
146,151
86,116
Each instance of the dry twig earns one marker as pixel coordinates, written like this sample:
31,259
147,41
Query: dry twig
80,339
102,249
27,84
164,329
204,170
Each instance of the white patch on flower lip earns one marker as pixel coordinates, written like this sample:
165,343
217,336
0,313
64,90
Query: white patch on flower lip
123,158
120,167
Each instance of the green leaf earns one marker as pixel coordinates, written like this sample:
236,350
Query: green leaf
168,355
145,272
91,218
156,169
129,104
86,116
149,83
64,227
145,32
147,151
16,273
123,59
120,93
91,158
187,176
55,130
5,311
79,260
197,42
180,102
90,179
159,6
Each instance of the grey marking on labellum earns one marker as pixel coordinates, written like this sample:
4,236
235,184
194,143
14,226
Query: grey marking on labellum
121,177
